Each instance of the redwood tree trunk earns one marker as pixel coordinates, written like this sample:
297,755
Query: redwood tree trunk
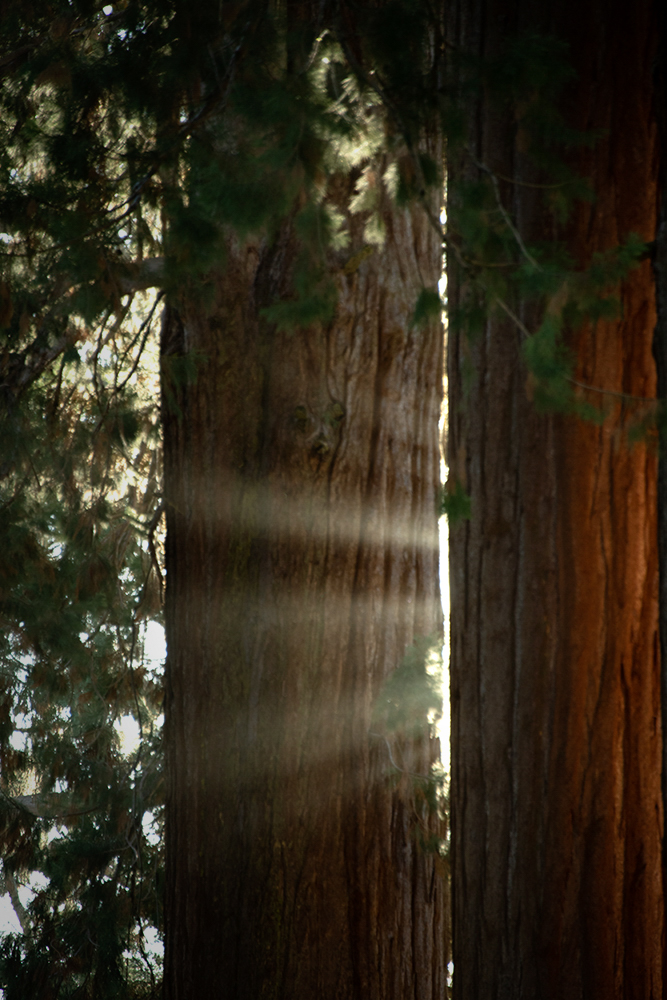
555,683
660,354
301,473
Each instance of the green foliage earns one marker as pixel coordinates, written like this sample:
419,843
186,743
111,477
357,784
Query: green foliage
431,810
497,271
575,298
410,702
314,301
408,707
79,483
429,306
454,503
551,364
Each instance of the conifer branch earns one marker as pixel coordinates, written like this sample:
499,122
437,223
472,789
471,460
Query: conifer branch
9,60
144,329
36,806
17,374
625,396
215,101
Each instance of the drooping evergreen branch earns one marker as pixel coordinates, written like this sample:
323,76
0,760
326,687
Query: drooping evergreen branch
625,396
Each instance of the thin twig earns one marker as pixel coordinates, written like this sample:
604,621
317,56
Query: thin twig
146,327
403,770
515,319
613,392
503,211
529,184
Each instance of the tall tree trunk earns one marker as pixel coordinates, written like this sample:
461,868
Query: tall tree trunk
555,682
301,473
660,354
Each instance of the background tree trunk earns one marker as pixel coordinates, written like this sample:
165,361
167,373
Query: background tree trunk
555,683
301,473
660,354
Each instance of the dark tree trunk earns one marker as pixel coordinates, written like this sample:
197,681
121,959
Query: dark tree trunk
555,679
301,473
660,354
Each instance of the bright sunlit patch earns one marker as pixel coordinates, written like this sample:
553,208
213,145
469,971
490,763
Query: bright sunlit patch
443,725
152,942
26,893
128,734
152,946
38,881
107,10
18,740
443,528
9,922
155,647
148,825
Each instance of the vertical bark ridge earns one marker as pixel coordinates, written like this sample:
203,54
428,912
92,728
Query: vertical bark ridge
660,354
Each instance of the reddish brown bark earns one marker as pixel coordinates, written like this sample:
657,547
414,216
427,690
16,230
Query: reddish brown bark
301,474
556,735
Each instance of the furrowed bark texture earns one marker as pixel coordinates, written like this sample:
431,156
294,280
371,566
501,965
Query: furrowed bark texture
301,473
555,683
660,354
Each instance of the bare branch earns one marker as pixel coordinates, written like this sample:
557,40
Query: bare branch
17,374
19,908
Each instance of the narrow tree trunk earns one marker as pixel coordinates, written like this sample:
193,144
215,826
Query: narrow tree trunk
555,683
301,473
660,354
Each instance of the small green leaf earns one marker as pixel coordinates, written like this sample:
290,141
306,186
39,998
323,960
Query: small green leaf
455,504
429,306
411,698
